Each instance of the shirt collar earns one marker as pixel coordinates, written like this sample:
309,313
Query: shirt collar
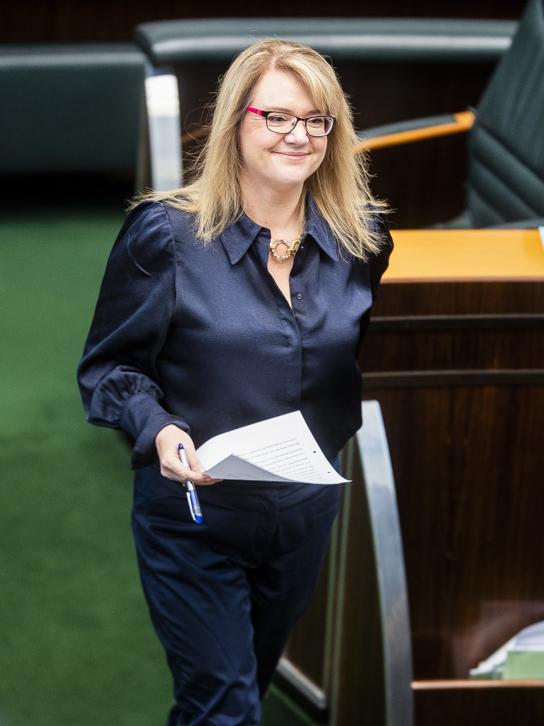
240,235
319,229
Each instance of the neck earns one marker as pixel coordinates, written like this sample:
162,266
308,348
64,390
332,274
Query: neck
277,210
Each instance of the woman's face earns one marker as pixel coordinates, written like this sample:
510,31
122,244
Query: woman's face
279,161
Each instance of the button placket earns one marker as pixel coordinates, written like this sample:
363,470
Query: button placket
292,373
297,273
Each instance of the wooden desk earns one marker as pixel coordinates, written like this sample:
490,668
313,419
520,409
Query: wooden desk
479,254
455,356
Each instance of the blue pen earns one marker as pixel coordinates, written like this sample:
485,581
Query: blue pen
192,497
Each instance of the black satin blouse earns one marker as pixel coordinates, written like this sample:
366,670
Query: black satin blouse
202,337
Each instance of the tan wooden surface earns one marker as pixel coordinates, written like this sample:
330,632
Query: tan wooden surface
480,254
475,684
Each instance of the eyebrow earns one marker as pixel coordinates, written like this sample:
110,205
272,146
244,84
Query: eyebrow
313,112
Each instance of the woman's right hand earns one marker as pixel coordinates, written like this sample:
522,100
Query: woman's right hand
166,443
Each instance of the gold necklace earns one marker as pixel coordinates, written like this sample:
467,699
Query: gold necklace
286,249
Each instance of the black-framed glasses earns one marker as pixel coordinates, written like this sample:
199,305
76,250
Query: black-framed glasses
283,123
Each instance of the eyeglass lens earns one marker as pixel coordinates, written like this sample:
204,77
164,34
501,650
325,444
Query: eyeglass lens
284,123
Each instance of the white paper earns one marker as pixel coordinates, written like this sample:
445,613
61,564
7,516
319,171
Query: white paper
279,449
530,638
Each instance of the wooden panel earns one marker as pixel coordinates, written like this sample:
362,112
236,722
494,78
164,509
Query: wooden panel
436,350
35,20
431,299
468,465
465,443
494,704
401,175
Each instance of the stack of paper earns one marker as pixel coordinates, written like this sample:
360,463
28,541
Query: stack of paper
521,657
280,449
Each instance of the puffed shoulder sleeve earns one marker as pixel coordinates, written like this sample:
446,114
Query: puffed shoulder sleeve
380,261
117,375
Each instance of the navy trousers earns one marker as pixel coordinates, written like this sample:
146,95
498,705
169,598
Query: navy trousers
223,596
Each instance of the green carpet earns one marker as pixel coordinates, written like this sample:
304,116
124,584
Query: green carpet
77,648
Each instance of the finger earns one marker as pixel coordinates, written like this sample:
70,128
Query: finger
172,468
197,473
181,474
203,479
199,476
194,461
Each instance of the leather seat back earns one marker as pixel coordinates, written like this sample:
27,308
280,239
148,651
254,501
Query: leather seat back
506,146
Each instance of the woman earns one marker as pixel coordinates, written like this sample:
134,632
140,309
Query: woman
240,297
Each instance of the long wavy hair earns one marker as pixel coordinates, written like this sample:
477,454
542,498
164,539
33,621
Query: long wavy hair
339,186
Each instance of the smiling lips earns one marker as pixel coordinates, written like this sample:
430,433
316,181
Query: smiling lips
291,154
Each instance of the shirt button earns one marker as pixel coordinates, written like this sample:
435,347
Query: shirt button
299,296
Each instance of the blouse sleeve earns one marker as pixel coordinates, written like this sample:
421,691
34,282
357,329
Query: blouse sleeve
378,265
380,262
117,375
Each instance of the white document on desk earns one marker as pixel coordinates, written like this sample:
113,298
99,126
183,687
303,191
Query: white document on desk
279,449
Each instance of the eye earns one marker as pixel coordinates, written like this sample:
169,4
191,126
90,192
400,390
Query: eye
316,122
278,118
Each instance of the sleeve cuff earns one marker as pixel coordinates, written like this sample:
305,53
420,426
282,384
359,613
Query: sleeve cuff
143,417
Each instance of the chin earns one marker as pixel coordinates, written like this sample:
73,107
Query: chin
287,184
294,178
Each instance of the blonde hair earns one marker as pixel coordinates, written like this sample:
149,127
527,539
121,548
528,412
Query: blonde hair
339,186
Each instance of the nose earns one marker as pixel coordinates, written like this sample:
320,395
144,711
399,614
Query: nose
298,133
